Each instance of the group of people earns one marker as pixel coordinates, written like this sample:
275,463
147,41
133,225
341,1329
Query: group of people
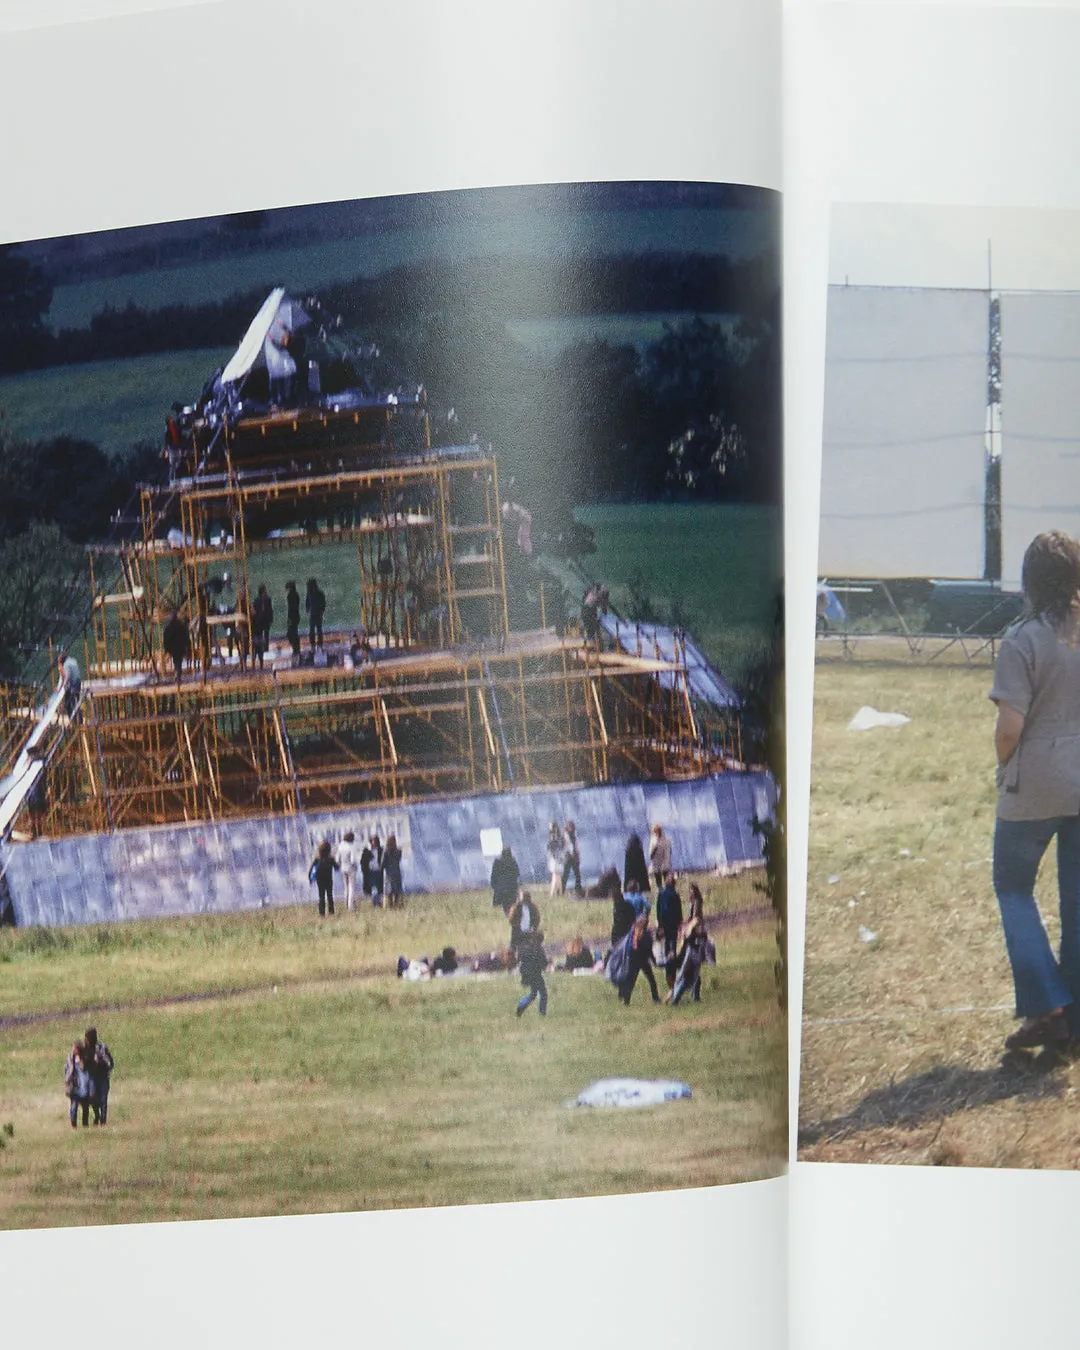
375,866
679,944
86,1079
247,630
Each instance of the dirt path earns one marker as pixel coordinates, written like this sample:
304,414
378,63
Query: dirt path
735,918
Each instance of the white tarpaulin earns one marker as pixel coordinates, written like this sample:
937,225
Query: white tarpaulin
1040,421
903,448
278,309
631,1092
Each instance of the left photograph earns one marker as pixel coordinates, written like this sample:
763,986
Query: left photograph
391,705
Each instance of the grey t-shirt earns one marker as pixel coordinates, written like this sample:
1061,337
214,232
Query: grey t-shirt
1038,674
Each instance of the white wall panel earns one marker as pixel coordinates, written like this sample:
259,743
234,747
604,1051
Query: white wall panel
1040,421
903,447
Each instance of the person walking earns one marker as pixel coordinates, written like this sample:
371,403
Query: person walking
556,856
633,957
315,605
1037,739
70,681
100,1064
659,856
292,618
527,942
77,1085
349,861
371,867
669,917
693,951
572,860
505,879
322,874
392,883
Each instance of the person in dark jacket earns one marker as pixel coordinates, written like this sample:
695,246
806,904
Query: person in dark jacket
292,618
572,857
262,616
623,917
669,917
176,640
315,604
505,878
391,861
100,1064
640,963
635,868
532,959
322,874
371,869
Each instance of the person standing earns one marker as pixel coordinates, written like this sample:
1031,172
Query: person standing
176,640
505,879
70,681
315,605
1037,739
292,618
322,874
371,863
391,861
280,366
692,954
635,871
556,856
527,942
572,861
348,861
77,1085
100,1064
262,618
669,917
659,855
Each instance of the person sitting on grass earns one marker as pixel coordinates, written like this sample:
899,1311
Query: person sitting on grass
577,957
322,874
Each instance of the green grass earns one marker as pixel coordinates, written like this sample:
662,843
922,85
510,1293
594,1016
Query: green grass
715,567
323,1088
114,404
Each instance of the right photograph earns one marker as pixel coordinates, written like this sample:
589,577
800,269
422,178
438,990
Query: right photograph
941,1012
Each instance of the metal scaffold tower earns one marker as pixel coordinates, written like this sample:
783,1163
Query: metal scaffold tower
426,690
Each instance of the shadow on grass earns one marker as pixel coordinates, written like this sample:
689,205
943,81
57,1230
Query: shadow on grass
941,1092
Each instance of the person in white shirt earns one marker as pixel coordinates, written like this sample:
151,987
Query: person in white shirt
349,861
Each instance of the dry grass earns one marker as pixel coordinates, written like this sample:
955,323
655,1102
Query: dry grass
902,1035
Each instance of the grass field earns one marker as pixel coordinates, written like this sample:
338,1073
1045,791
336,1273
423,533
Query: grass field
269,1063
114,404
902,1035
716,566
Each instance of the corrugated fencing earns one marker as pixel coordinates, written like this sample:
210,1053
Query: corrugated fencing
252,864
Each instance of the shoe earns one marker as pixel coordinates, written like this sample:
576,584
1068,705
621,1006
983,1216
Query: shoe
1050,1030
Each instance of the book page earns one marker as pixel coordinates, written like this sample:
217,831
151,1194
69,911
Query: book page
906,1004
477,182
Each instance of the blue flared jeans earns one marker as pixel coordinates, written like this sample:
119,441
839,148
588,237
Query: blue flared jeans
1043,982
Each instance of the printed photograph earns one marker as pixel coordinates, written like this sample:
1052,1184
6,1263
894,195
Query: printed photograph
942,985
391,694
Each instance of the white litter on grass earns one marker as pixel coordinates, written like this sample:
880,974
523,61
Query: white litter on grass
834,879
867,718
631,1092
865,935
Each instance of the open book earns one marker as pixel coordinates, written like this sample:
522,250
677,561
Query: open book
394,768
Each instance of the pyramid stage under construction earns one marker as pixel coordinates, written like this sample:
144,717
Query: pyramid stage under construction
431,697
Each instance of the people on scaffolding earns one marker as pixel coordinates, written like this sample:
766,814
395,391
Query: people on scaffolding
595,601
70,680
216,611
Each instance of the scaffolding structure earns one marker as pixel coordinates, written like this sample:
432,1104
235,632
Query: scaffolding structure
446,699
